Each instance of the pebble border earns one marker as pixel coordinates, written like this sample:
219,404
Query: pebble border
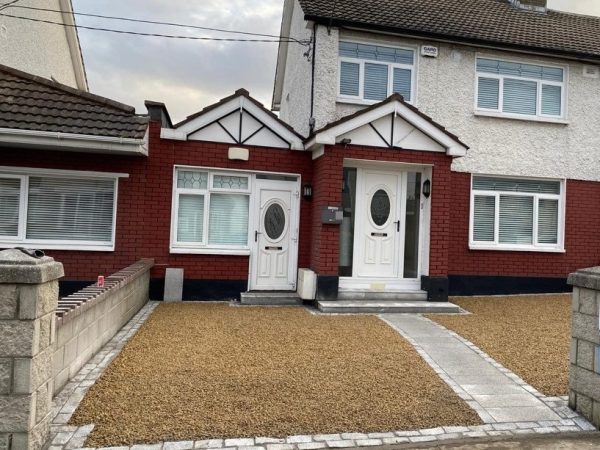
67,437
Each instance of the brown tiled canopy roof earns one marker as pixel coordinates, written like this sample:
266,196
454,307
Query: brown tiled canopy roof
483,22
28,102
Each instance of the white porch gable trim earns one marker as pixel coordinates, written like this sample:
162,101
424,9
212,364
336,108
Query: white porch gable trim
366,129
238,121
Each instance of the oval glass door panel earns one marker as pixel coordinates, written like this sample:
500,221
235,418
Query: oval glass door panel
380,207
274,221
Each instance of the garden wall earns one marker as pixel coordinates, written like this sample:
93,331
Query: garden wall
88,319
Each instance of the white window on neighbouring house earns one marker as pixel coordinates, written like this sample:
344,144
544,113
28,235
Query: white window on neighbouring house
516,214
371,73
57,211
210,211
520,90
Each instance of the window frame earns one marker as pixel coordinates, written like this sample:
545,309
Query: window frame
535,246
359,99
539,116
204,247
24,174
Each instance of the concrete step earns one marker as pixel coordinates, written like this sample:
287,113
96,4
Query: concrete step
369,306
270,298
383,296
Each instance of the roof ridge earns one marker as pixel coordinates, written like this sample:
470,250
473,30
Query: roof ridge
68,89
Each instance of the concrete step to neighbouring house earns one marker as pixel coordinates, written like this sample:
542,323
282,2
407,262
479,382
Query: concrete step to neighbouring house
386,306
382,296
270,298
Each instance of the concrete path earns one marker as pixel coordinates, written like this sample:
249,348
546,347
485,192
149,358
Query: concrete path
493,393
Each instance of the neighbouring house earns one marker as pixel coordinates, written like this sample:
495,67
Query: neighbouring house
40,38
517,83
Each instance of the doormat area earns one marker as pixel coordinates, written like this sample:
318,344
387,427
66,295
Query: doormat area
529,334
201,371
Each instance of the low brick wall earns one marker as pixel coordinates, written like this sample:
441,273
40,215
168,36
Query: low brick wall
88,319
584,383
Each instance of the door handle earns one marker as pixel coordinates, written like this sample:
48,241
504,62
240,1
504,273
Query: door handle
256,233
397,222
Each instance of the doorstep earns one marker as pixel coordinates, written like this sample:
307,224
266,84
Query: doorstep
387,306
272,298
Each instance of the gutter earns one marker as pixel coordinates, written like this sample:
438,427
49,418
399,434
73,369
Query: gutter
50,140
439,37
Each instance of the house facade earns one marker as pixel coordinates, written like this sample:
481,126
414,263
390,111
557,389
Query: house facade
514,81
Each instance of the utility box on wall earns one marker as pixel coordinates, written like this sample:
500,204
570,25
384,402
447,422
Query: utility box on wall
332,215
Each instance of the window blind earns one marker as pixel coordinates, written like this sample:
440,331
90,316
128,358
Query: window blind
484,218
551,100
70,209
520,97
376,81
349,78
228,219
516,185
376,53
521,70
488,93
190,218
516,220
10,194
548,221
402,82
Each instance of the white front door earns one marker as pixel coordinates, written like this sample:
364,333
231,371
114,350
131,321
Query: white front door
274,258
378,230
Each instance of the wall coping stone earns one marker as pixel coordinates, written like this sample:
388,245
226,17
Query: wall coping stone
73,305
19,268
586,278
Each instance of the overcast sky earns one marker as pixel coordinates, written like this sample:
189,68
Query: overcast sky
188,75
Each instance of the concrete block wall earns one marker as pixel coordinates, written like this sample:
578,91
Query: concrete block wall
88,319
584,382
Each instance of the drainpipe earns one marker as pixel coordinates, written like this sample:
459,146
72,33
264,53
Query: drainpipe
311,120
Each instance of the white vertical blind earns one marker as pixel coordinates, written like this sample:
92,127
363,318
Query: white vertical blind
551,100
190,218
516,219
548,221
349,78
376,81
402,82
228,219
488,93
484,218
70,209
520,96
10,192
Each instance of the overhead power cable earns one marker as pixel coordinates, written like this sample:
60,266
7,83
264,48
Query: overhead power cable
275,38
6,5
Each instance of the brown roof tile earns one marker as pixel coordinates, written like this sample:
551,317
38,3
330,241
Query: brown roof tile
485,22
28,102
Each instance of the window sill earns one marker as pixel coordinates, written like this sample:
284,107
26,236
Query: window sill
516,249
209,251
520,117
60,246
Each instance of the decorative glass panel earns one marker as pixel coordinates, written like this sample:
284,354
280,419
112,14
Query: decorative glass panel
380,207
516,185
274,221
349,79
376,81
551,100
190,218
230,182
488,93
188,179
347,226
10,194
520,70
484,218
402,83
520,96
411,225
548,221
228,219
70,209
516,220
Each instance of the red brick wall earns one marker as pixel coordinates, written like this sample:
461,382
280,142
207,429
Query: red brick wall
328,175
144,204
582,237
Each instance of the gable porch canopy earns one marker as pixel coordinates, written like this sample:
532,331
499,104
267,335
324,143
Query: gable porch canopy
392,123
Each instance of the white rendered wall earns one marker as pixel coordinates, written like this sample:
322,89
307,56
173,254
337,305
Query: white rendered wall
37,48
446,91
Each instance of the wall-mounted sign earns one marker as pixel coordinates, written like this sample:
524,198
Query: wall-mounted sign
429,51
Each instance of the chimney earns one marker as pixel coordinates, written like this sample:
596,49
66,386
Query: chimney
531,5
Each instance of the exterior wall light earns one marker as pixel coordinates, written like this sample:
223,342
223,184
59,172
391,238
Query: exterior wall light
427,188
307,191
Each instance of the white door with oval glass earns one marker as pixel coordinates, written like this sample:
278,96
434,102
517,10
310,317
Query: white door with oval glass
274,257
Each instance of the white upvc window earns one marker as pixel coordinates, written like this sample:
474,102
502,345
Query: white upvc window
210,211
370,73
517,214
518,90
58,211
